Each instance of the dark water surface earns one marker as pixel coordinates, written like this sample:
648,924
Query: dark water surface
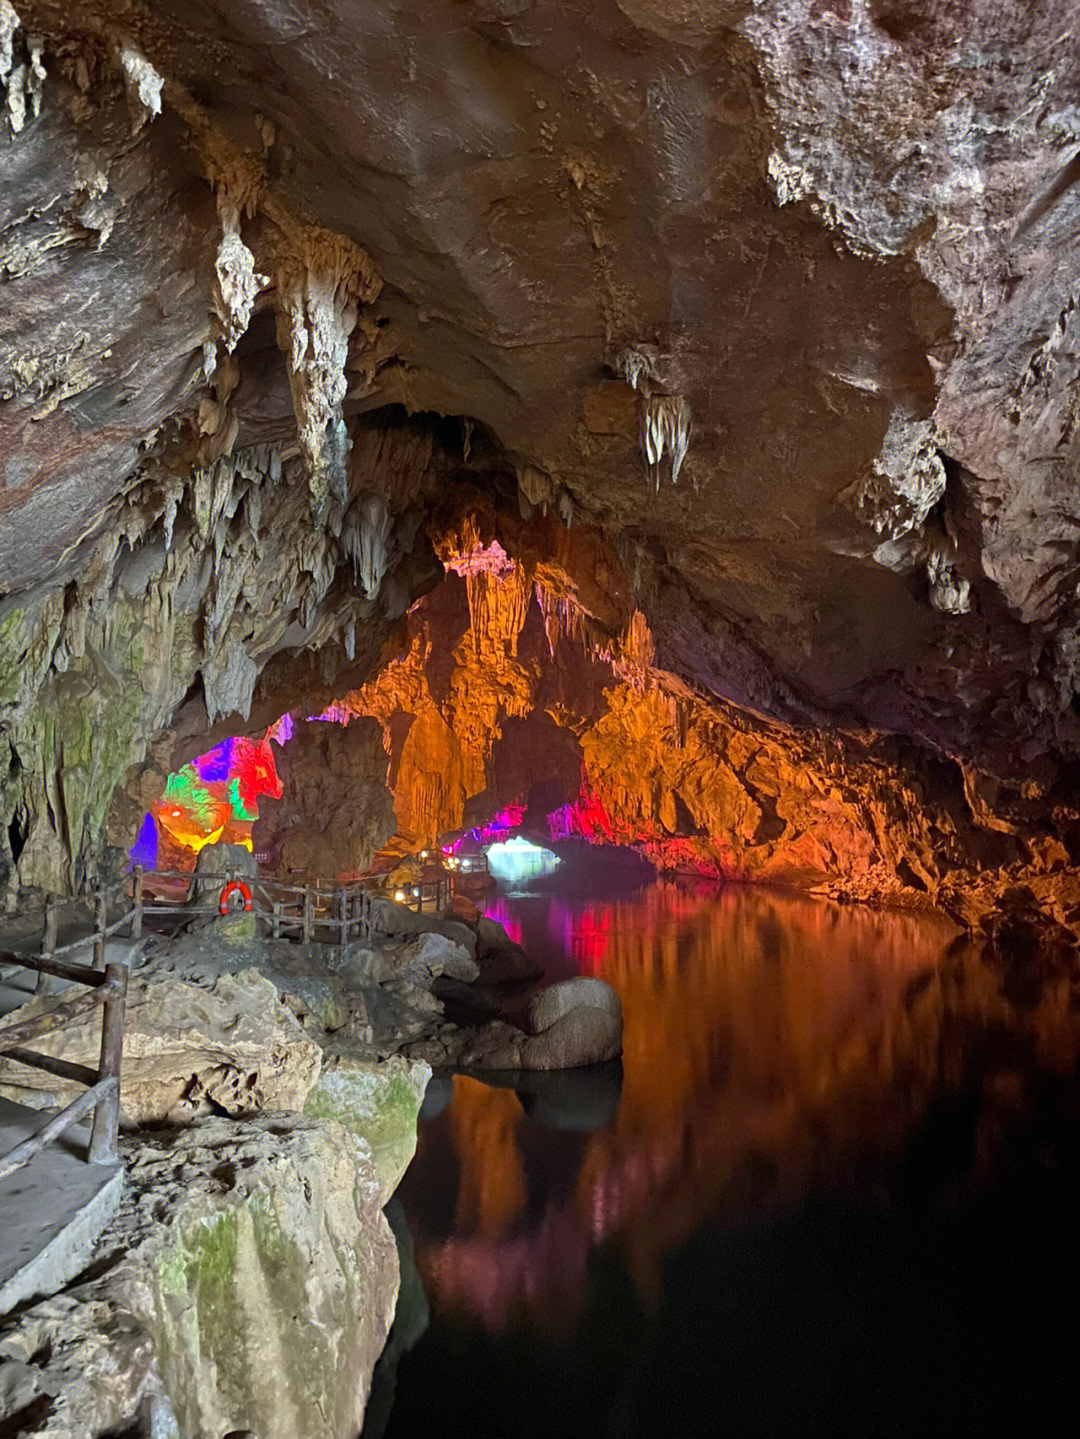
837,1192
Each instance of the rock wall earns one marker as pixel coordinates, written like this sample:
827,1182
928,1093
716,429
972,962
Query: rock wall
335,810
533,683
248,1282
230,1045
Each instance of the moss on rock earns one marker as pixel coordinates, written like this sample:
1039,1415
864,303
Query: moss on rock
379,1102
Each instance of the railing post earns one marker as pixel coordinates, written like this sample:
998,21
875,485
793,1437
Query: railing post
308,913
103,1147
275,922
101,920
136,902
343,916
48,944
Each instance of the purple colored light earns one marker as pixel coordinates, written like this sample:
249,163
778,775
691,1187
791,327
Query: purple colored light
282,732
144,851
498,827
213,766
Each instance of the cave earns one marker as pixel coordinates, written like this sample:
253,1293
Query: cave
540,679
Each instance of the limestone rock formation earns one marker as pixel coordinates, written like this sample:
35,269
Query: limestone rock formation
247,1284
335,810
379,1102
776,296
231,1045
545,698
574,1023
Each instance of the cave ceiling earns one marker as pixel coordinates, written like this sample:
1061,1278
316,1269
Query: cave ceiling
830,244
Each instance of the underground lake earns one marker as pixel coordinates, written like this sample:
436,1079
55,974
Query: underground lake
832,1189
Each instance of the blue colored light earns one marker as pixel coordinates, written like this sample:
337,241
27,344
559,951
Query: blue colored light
213,766
144,850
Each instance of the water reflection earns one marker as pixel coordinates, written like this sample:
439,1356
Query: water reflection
762,1036
778,1053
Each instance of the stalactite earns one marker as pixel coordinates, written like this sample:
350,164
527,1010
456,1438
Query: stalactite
238,282
562,615
635,367
319,307
665,430
144,86
375,532
537,487
498,604
950,591
22,75
634,653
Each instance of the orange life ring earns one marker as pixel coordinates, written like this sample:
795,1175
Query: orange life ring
234,886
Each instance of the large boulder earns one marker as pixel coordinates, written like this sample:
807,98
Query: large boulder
582,1036
423,959
232,1044
576,1022
556,1000
501,960
219,859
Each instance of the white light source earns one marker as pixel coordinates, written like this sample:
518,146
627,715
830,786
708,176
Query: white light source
517,860
399,895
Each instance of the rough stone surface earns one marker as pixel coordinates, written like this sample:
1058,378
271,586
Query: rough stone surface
335,810
501,961
233,1045
218,859
551,699
247,1284
557,1000
584,1035
431,955
379,1102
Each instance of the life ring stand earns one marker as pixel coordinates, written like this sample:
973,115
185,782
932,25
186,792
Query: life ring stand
234,886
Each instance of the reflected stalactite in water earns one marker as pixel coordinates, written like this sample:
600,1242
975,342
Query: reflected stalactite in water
492,1189
773,1048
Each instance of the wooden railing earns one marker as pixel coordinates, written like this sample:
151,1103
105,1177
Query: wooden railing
331,913
316,910
107,988
425,893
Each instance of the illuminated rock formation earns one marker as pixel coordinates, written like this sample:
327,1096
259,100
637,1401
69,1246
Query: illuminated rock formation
776,297
532,684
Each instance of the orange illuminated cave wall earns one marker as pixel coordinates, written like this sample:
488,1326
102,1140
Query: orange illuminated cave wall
528,678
